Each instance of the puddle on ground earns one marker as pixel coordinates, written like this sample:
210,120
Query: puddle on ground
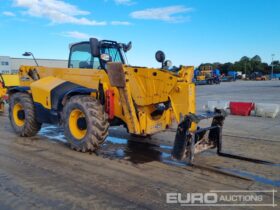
137,152
121,148
116,140
140,152
251,176
54,133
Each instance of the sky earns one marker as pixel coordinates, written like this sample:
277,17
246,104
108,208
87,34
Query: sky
190,32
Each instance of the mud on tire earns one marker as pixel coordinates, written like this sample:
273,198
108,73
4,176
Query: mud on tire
22,115
85,123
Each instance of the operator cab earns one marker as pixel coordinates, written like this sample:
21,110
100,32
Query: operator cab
95,54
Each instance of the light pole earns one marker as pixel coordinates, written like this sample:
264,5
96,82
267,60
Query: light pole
245,69
272,58
30,54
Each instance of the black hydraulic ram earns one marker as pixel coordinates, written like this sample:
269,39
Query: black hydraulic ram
187,143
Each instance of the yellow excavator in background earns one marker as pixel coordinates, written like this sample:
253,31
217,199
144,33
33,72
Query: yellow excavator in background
99,89
6,81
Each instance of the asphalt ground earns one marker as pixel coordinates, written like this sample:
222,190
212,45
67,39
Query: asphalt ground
42,172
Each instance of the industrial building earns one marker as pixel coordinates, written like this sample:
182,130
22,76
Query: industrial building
11,65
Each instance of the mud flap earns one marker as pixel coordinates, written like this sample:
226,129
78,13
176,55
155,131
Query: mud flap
116,75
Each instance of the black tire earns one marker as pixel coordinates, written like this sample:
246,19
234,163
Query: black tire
95,123
2,107
209,82
30,127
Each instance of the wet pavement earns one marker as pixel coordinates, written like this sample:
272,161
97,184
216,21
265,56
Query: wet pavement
130,148
133,150
42,172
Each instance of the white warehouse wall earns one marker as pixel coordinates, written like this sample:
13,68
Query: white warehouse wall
15,63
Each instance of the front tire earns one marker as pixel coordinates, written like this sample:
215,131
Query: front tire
22,115
85,123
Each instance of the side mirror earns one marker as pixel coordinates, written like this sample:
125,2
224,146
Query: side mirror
94,44
160,56
127,47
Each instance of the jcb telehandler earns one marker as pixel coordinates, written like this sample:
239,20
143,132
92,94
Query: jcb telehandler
99,89
6,81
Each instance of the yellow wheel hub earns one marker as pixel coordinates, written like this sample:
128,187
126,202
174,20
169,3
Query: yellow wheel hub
77,124
18,115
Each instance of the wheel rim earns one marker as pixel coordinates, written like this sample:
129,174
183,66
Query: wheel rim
18,115
77,124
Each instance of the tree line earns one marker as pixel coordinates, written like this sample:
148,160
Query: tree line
246,65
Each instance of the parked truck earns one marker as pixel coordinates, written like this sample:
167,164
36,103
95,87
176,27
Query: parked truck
207,76
230,77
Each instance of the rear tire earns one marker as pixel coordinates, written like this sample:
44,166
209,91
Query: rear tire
22,115
85,123
2,107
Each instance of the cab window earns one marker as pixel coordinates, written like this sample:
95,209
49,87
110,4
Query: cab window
113,52
81,57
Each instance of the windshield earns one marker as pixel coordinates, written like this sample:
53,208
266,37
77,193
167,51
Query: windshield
81,56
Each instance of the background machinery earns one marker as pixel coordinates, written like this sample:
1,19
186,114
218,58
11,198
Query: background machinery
207,76
257,76
98,90
230,77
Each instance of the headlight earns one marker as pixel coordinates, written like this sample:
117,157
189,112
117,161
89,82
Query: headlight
168,63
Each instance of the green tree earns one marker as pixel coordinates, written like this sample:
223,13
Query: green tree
245,59
275,63
216,65
226,67
256,59
276,66
245,65
256,63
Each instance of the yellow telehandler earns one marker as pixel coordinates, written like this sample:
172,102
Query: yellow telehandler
6,81
99,89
